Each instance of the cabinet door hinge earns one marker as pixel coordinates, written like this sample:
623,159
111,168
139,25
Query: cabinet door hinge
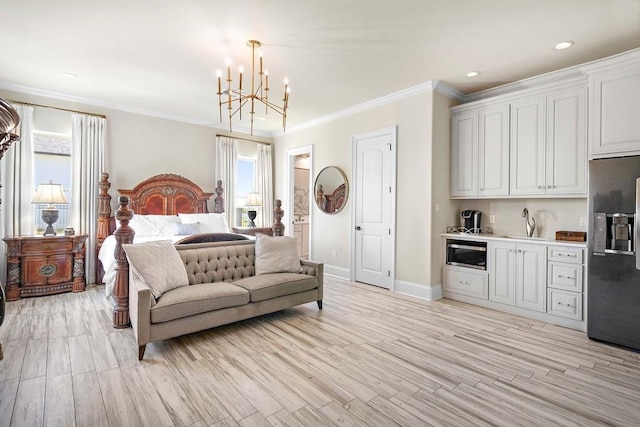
388,273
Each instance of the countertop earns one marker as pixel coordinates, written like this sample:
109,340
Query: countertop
515,239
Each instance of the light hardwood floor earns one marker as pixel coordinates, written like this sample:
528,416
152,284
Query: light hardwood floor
369,358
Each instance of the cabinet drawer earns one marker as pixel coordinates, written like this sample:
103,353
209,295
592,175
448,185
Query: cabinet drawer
565,304
565,254
565,276
46,247
461,281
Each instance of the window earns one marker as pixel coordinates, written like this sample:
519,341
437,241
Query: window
245,174
52,162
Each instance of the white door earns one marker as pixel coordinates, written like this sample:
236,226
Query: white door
527,168
493,151
464,154
374,210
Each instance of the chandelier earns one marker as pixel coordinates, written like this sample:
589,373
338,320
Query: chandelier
236,98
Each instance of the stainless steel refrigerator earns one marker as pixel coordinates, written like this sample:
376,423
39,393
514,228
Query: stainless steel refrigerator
613,293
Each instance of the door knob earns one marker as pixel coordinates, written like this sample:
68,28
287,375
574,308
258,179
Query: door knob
358,227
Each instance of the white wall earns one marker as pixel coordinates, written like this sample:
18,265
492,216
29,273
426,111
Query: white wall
551,215
142,146
415,227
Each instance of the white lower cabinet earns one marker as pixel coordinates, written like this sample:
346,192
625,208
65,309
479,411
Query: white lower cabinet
537,279
465,281
517,274
564,282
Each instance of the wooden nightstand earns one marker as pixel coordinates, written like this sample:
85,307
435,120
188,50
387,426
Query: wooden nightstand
44,265
253,231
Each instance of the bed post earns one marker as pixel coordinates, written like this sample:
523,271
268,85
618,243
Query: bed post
123,235
278,213
218,202
104,220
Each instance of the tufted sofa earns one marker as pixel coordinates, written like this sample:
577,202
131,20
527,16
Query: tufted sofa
223,288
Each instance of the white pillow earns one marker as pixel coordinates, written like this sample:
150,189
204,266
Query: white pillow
186,229
159,265
277,255
209,222
153,225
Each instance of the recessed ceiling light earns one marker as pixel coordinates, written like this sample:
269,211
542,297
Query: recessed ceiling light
69,75
473,73
563,45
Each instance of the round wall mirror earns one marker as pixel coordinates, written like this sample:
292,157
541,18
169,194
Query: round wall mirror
331,190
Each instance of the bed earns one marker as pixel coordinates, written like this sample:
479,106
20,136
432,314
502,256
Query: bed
163,207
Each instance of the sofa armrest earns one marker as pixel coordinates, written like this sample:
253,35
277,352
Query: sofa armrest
140,308
314,269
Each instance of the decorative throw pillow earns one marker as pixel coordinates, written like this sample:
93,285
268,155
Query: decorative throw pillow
186,229
153,225
159,265
209,222
277,255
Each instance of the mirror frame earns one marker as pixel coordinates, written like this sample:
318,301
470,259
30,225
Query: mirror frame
346,190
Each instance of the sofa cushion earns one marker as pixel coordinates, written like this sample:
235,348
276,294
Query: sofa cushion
277,255
159,265
267,286
195,299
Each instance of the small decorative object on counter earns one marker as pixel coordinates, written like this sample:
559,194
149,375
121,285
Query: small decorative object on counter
572,236
69,231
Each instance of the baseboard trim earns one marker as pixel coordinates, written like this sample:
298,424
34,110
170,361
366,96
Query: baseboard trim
340,272
425,292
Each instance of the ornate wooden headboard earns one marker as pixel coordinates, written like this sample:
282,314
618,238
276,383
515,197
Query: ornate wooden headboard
170,194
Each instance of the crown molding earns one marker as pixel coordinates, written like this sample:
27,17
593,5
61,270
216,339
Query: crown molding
27,90
432,85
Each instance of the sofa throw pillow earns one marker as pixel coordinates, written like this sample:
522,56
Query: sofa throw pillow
159,265
277,255
209,222
186,229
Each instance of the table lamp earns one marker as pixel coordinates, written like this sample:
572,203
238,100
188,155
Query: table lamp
253,201
49,194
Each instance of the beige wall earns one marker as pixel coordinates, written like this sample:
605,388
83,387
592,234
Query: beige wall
415,226
142,146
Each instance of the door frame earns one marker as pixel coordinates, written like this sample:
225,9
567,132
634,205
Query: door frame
392,132
291,163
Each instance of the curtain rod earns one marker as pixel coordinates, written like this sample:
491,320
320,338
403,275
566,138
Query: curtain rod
57,108
244,139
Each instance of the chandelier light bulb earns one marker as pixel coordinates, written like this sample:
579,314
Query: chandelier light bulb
219,73
241,69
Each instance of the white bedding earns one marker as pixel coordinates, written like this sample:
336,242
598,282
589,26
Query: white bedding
106,256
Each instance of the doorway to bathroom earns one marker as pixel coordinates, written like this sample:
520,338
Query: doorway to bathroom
299,207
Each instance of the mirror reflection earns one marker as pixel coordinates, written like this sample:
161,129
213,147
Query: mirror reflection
331,190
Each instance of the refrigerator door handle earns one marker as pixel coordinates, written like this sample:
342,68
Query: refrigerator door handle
637,225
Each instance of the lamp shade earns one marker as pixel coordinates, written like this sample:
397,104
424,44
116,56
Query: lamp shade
49,194
253,199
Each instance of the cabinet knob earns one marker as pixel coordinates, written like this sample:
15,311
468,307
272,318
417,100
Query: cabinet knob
549,186
540,187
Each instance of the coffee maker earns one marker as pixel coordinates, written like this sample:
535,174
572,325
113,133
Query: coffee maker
470,220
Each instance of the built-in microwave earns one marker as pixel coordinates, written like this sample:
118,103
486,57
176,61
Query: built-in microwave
467,253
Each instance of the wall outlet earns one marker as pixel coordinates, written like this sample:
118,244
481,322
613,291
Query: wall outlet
583,221
334,253
437,207
492,219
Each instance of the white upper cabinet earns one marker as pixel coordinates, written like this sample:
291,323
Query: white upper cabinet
533,145
528,146
566,161
614,108
464,154
493,150
480,152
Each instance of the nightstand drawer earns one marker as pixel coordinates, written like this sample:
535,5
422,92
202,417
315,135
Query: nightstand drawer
46,247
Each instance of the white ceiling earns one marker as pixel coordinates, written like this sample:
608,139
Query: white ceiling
161,56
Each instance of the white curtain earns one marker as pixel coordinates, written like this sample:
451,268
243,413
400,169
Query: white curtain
225,171
18,188
264,184
88,156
